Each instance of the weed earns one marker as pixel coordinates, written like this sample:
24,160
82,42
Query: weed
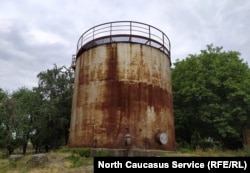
75,160
102,153
83,152
13,164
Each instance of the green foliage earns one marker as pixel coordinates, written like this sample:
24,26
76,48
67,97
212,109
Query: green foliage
52,124
41,114
4,165
79,157
13,163
64,149
185,150
76,160
101,153
8,123
211,98
83,152
24,107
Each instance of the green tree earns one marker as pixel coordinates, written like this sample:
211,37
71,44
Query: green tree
26,107
7,123
55,88
17,111
3,98
211,98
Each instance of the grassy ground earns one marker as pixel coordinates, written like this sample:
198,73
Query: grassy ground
79,161
57,163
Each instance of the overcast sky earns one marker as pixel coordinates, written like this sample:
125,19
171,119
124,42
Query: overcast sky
35,34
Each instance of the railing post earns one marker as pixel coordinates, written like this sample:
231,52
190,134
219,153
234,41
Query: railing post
130,28
81,41
110,36
149,32
110,29
163,42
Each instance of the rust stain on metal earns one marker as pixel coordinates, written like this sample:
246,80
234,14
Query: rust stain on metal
121,86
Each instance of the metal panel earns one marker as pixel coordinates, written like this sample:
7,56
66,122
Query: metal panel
120,89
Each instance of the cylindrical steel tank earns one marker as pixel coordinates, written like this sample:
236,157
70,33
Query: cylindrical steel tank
122,89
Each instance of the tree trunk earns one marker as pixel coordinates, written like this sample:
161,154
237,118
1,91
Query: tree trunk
24,148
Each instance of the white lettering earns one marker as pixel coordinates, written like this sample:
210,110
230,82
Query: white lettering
115,164
192,164
130,164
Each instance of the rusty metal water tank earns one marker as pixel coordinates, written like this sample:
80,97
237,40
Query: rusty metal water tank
122,89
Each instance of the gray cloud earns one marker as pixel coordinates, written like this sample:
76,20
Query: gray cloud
34,35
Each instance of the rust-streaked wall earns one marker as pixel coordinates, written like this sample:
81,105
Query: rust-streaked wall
121,88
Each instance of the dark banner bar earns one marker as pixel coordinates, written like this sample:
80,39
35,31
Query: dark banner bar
171,164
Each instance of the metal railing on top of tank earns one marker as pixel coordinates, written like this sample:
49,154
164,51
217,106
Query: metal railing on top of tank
124,31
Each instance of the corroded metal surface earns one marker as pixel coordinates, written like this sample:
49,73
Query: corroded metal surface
120,89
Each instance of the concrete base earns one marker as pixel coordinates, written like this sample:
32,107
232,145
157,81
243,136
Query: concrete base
126,152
